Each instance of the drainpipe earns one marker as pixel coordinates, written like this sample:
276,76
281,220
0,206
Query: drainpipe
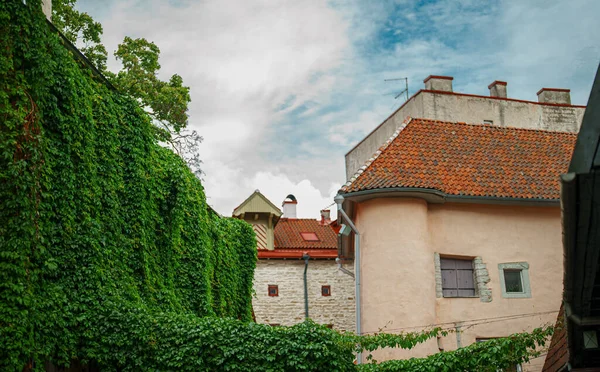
339,200
306,257
457,328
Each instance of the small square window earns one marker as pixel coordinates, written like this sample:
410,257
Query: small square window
488,122
273,291
514,280
309,236
326,290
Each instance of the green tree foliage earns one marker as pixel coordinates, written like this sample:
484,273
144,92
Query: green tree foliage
95,215
109,255
489,356
165,101
80,27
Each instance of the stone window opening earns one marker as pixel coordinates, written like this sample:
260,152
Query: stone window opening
514,279
466,277
457,277
273,291
326,290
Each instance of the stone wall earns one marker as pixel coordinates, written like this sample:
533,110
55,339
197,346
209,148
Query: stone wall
287,308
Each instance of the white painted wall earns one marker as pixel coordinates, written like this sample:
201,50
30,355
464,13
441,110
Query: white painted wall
47,8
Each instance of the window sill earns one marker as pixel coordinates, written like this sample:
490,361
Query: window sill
463,297
516,295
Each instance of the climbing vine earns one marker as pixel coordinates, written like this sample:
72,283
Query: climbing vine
489,356
109,254
95,215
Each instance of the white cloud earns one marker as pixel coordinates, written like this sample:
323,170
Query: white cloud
281,90
277,186
243,60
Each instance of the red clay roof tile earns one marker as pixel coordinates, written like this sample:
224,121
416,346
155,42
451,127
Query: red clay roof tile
290,244
473,160
288,234
558,351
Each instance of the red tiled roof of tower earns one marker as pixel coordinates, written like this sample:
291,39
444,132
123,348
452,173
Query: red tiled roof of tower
469,159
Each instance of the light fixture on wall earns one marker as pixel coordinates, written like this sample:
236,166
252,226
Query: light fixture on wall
345,230
590,339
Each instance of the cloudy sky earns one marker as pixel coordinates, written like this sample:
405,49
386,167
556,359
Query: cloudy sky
281,90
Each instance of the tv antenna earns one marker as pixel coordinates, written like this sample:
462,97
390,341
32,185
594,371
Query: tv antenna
404,91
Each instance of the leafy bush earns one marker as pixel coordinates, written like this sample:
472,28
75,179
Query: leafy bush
489,356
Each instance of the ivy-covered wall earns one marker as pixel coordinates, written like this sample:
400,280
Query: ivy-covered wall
95,216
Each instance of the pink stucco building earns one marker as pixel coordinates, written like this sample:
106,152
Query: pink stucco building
460,227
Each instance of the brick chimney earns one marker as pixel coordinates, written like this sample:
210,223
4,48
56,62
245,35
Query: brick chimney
47,8
440,83
325,217
289,206
497,89
554,95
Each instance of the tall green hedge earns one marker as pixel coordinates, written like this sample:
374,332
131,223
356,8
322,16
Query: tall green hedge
96,216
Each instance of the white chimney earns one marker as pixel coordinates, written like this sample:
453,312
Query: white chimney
497,89
289,206
554,95
47,8
325,217
439,83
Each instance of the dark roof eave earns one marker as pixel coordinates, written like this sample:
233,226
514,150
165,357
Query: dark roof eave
438,197
329,255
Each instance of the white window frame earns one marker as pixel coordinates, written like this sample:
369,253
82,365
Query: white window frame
523,267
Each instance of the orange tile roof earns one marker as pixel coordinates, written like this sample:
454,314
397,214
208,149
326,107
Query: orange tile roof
287,234
558,351
290,244
468,159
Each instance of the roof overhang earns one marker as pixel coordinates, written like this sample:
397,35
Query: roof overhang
438,197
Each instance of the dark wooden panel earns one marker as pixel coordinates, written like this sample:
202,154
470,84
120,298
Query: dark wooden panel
464,264
465,279
449,279
466,292
447,263
450,293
